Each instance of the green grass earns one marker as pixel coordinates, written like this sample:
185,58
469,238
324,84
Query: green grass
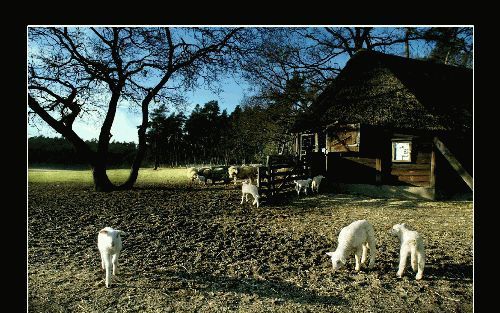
117,176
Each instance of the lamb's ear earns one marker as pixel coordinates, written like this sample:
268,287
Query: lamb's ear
329,254
403,224
122,233
103,231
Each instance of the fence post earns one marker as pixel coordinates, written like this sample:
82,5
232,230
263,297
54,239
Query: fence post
258,177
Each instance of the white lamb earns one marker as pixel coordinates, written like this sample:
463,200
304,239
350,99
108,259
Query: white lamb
109,243
411,244
355,238
302,184
201,179
315,183
246,189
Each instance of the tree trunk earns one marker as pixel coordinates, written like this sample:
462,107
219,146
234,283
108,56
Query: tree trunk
157,161
407,42
101,180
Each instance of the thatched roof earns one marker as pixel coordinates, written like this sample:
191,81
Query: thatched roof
391,91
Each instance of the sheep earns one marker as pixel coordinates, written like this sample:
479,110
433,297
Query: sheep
201,179
205,171
242,172
316,181
109,244
248,188
355,238
219,173
412,244
302,184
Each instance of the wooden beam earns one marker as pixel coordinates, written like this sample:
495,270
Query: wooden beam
378,168
454,162
316,142
297,144
433,169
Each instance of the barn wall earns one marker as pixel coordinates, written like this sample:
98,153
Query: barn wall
361,168
416,173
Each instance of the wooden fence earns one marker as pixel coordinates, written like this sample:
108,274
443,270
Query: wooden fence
279,173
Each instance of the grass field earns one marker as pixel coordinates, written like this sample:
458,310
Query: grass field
146,175
193,248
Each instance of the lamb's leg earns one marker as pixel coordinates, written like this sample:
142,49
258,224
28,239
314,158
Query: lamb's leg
246,197
102,261
421,265
372,245
403,255
242,198
357,256
365,253
109,269
413,258
115,263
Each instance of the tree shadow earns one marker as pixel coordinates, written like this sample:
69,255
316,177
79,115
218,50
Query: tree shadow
181,188
450,272
252,286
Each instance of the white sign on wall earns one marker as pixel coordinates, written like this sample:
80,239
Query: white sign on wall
401,151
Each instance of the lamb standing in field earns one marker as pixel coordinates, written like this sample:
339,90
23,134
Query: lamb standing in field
109,243
201,179
355,238
242,172
248,188
411,244
302,184
315,183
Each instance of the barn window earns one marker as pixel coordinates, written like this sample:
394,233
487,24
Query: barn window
401,151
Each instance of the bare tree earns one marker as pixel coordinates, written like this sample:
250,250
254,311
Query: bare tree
76,71
316,53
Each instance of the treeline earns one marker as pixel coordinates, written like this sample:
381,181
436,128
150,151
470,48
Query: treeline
261,126
59,151
207,136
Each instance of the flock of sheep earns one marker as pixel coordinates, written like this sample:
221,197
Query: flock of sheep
249,173
356,238
206,174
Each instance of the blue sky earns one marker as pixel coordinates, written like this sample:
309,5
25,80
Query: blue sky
124,126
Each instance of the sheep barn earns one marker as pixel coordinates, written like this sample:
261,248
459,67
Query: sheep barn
389,125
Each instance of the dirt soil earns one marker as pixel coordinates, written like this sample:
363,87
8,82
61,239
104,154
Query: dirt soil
196,249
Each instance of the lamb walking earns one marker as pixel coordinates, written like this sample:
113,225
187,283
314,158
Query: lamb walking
246,189
109,243
411,244
316,181
355,238
302,184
